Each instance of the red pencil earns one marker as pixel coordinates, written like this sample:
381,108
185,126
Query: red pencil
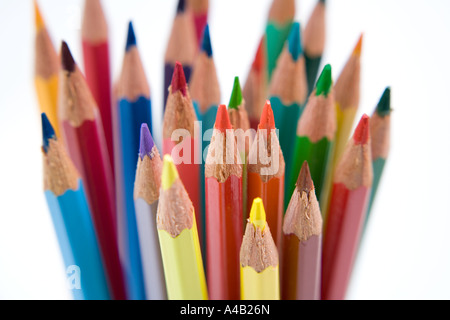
266,172
223,193
95,43
349,199
179,119
85,139
199,9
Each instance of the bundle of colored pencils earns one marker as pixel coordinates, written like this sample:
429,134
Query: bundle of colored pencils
267,197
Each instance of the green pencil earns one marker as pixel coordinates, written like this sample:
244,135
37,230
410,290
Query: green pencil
281,16
315,135
288,92
380,125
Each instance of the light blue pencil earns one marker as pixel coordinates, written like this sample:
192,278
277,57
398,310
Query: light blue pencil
72,220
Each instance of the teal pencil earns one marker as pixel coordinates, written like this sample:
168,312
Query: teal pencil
71,216
288,92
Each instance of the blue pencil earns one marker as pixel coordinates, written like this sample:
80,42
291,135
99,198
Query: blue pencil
133,109
72,220
205,94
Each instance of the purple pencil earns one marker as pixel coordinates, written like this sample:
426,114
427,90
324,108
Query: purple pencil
302,242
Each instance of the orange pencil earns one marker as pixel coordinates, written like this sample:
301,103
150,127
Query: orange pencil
266,172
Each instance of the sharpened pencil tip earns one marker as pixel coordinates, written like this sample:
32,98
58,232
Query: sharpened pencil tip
258,214
384,105
304,181
131,38
258,62
146,142
294,41
206,42
358,47
222,119
47,132
38,20
267,120
324,82
178,79
181,6
362,131
68,63
169,172
236,95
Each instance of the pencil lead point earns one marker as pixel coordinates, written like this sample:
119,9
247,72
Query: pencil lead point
258,214
236,95
39,21
179,79
304,181
384,105
267,121
131,38
324,82
146,142
258,62
169,172
362,131
68,63
294,41
47,132
206,42
222,119
358,46
181,6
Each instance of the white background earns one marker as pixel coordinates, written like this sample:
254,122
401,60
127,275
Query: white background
405,254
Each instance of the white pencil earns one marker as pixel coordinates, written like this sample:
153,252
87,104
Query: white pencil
146,195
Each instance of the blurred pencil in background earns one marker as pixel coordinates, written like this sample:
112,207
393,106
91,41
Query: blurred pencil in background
72,220
314,37
182,46
199,10
46,71
95,44
278,26
259,258
178,236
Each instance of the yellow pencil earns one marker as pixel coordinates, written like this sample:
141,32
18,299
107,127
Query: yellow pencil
259,258
46,71
178,237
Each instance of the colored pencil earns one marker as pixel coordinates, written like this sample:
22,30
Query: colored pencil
199,10
301,255
259,258
85,139
348,205
182,46
95,44
314,42
256,86
178,236
46,71
347,90
181,138
205,93
380,132
288,92
223,174
146,195
266,172
244,136
279,23
316,131
71,216
133,108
